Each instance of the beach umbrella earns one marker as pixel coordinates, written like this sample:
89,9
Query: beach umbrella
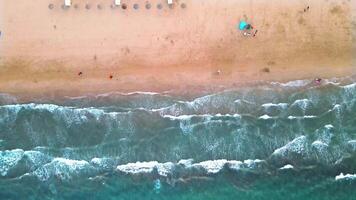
242,25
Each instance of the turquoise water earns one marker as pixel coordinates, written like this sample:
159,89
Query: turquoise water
294,140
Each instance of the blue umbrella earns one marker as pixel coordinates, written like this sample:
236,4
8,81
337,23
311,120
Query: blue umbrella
242,25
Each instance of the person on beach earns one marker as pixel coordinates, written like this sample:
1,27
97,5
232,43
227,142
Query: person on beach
306,9
317,81
246,29
254,35
218,72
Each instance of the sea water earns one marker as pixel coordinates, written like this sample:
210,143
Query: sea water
294,140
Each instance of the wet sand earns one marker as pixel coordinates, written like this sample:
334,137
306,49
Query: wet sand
74,51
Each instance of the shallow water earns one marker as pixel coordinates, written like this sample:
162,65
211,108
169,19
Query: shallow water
294,140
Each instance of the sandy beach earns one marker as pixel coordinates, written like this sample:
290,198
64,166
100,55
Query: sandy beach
91,47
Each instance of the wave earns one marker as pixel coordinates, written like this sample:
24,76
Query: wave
342,177
43,167
302,117
287,167
265,117
62,169
278,105
205,167
22,164
283,125
163,169
128,94
296,83
15,162
66,170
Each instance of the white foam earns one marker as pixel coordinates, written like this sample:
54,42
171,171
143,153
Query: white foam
350,86
279,105
239,101
228,115
96,161
212,166
76,97
70,114
319,145
66,169
140,92
329,126
126,94
61,168
332,82
252,163
186,117
287,167
265,117
14,108
206,116
351,141
209,166
48,107
9,159
297,146
302,103
71,162
345,177
165,168
35,159
235,164
296,83
302,117
161,109
186,162
146,167
185,121
102,163
215,166
337,106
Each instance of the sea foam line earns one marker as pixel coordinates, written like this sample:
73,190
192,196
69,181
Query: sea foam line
127,94
345,177
163,169
187,117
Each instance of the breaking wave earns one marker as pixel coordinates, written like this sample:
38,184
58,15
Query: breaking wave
255,131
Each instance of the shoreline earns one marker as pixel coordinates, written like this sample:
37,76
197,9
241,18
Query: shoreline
192,93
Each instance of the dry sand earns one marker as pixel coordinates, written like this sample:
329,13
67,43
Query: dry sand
42,50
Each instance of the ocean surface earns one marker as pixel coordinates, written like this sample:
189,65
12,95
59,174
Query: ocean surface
294,140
